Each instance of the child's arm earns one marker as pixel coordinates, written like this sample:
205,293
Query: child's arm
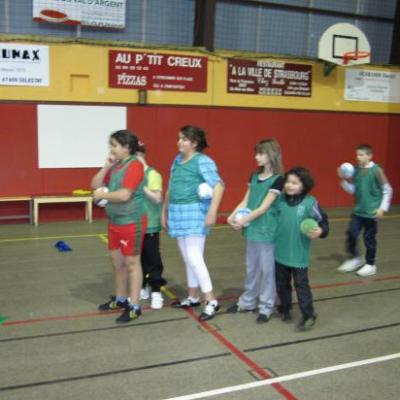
211,217
164,212
323,224
153,191
98,179
346,183
387,192
231,219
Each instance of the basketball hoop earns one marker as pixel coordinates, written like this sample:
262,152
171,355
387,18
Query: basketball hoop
354,55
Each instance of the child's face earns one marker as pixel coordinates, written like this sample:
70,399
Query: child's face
185,145
118,151
363,158
262,159
293,185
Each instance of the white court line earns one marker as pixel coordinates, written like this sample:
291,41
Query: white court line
286,378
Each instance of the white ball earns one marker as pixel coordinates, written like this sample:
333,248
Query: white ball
347,170
205,191
101,202
242,212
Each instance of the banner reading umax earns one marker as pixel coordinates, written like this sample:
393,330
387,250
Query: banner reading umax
24,65
151,71
98,13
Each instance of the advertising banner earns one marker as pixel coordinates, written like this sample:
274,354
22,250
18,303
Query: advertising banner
24,65
269,78
97,13
372,85
150,71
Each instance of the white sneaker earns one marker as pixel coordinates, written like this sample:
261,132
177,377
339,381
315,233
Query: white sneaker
367,270
145,293
156,301
351,265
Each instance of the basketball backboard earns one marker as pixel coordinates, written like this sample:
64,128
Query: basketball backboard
344,44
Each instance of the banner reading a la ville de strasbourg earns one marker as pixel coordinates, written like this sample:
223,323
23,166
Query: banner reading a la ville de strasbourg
97,13
151,71
269,78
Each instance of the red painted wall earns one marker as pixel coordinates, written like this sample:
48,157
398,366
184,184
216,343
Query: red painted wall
317,140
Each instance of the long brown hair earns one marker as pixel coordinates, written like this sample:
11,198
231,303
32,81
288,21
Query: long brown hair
272,149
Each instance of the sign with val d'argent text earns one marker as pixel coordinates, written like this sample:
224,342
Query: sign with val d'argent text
269,78
151,71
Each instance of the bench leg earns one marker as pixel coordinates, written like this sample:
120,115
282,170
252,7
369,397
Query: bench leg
35,213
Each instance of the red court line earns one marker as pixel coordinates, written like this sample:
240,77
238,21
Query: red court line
240,355
102,314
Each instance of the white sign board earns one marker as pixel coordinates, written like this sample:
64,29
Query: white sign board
98,13
372,85
76,136
24,64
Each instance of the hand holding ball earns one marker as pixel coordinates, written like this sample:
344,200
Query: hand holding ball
242,212
346,170
101,202
308,225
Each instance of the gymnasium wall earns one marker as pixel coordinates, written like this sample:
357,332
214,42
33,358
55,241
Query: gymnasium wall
318,132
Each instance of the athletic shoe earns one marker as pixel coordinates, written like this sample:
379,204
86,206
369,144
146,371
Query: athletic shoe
129,314
262,318
185,303
351,265
235,308
145,293
367,270
209,311
286,317
306,323
156,301
112,304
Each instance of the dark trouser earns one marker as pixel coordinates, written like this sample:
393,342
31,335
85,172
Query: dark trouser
151,262
370,226
284,275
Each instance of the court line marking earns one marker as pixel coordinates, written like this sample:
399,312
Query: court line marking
286,378
217,227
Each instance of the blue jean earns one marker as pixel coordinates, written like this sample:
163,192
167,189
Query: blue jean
370,226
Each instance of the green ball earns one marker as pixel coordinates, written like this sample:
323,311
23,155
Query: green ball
308,225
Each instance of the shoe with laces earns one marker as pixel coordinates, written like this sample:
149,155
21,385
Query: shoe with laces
235,308
145,293
156,301
367,270
209,311
130,313
186,303
112,304
351,265
306,323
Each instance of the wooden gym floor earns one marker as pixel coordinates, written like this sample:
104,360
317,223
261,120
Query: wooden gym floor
55,345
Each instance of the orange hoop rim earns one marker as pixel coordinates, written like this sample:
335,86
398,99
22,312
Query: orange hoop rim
354,55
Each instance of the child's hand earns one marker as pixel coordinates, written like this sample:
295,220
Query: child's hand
98,194
110,161
164,223
379,213
342,177
233,223
315,233
211,218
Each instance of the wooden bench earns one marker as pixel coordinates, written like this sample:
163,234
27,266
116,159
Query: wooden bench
14,199
88,200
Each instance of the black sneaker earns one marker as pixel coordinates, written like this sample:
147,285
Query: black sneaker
112,304
129,315
185,303
286,317
262,318
306,323
209,311
235,308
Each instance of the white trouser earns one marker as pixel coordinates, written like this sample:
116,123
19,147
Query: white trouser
192,250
